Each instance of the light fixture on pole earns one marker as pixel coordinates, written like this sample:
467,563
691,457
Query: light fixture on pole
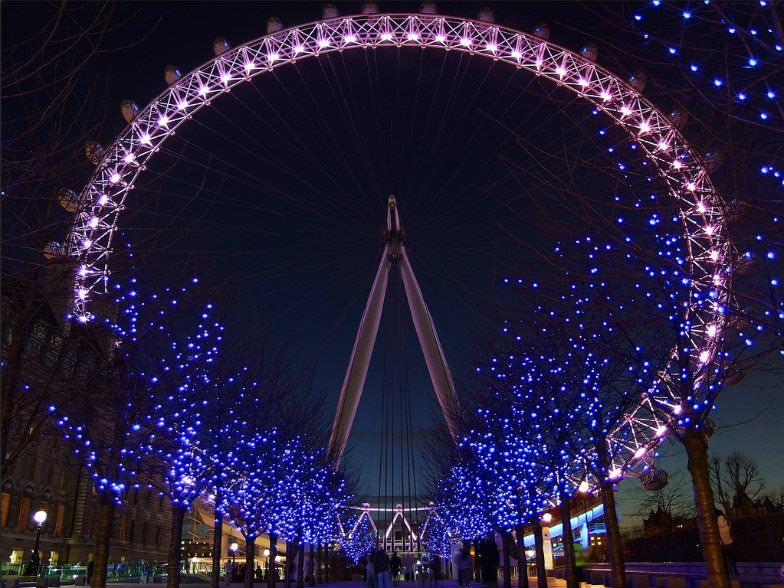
233,547
35,561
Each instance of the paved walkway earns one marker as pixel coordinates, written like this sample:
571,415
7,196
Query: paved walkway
448,583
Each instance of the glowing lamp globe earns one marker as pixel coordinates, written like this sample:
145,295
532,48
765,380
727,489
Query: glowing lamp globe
40,517
547,517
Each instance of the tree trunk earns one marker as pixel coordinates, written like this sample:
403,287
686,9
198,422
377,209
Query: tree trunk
522,559
318,576
273,568
570,570
175,546
301,565
103,536
217,545
325,563
541,574
506,541
614,546
309,571
250,557
715,565
290,559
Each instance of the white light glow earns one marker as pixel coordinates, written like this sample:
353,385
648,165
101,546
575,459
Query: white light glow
413,36
677,164
691,186
103,200
83,271
182,105
538,64
145,139
701,207
709,230
584,486
661,430
298,49
114,178
663,146
625,110
82,293
465,42
129,158
163,121
86,243
517,55
440,38
677,410
615,473
94,222
323,43
560,71
583,82
716,280
225,78
547,517
386,36
645,127
202,90
273,57
350,39
82,319
704,356
714,255
249,66
711,330
605,96
640,452
492,48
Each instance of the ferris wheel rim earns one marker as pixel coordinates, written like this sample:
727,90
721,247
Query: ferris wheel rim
676,162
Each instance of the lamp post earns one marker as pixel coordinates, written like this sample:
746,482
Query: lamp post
35,561
233,547
584,490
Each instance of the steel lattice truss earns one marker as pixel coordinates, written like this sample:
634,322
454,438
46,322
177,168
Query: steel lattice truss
709,250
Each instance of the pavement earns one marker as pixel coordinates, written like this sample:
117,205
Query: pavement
447,583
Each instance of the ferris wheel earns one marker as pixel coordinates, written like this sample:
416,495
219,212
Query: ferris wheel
98,209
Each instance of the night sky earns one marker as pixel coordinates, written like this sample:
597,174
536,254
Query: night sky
280,189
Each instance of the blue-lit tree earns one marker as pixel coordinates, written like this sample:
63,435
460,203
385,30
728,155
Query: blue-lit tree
359,538
436,534
113,427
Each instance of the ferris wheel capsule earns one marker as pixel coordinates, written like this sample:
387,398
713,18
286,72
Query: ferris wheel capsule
171,74
486,14
369,7
53,249
637,81
542,30
68,199
274,24
428,7
654,479
590,51
128,108
93,151
220,46
330,11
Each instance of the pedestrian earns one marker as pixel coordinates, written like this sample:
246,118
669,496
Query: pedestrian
381,563
727,539
464,566
489,561
370,571
435,568
394,567
408,567
229,571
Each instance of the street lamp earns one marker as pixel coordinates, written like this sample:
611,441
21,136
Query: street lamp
35,561
233,547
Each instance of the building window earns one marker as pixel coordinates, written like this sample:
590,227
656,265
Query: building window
6,508
23,521
136,496
157,536
130,531
123,528
145,527
62,479
58,523
147,497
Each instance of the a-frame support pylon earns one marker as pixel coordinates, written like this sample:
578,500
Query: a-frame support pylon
354,381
